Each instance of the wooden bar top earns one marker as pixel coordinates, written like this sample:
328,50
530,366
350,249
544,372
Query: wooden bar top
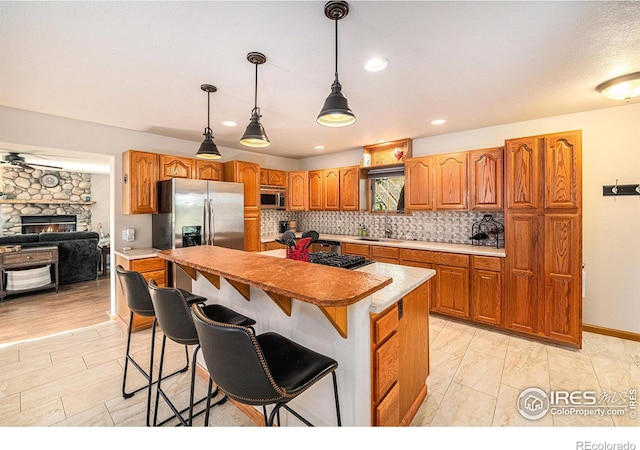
308,282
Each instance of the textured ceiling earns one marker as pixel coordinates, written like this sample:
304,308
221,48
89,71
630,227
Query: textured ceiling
139,65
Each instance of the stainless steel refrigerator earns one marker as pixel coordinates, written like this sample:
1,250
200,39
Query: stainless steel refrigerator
197,212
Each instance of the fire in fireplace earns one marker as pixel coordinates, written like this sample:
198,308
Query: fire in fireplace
37,224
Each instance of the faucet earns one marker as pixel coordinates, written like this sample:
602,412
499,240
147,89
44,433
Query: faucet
387,230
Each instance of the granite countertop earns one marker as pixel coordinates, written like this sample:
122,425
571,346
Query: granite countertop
311,283
405,280
417,245
138,253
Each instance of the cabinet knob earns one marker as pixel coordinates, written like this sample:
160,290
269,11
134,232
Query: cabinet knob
28,257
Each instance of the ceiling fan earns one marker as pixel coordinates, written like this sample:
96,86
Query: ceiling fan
15,159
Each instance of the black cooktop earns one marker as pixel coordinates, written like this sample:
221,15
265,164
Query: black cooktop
337,260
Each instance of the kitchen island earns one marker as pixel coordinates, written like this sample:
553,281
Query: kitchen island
373,321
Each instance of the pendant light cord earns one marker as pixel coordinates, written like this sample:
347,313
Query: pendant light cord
255,91
208,130
336,21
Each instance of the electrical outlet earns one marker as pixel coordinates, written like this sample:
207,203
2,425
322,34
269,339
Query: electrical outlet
429,227
338,223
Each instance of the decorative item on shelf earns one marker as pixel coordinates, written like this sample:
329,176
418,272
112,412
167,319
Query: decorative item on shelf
621,189
208,148
254,135
487,232
336,112
387,153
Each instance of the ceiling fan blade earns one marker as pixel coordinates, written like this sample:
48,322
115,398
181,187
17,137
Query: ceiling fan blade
39,165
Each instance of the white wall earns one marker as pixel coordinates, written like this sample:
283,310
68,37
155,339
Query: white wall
611,226
101,210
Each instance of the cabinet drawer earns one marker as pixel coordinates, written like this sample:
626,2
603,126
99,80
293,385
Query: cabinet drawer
28,257
427,256
147,264
388,410
355,249
386,367
487,263
157,275
378,251
385,325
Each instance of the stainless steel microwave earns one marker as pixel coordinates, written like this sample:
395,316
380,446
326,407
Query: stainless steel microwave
273,197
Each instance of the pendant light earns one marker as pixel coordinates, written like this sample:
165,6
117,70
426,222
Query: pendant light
254,135
336,112
208,148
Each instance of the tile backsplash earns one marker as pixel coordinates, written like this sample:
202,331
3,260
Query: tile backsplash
433,226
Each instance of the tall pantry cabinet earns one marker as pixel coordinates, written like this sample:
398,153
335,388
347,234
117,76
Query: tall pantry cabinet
543,239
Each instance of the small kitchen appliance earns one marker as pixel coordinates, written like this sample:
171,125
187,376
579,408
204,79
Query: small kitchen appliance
283,226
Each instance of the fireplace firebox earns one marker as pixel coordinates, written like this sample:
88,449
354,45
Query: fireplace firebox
56,224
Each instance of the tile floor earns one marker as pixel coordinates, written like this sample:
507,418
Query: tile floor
74,379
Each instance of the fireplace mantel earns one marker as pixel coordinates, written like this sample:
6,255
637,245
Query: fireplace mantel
46,202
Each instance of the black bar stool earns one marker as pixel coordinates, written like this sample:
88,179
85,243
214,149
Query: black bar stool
176,322
136,294
267,369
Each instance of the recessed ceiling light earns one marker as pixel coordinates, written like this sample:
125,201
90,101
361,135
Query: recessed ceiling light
319,147
376,64
229,123
438,122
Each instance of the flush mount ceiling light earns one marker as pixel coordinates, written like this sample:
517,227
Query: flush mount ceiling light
621,88
336,112
254,135
208,148
376,64
438,122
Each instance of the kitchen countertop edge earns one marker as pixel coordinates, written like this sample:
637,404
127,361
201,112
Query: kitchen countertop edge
399,243
138,253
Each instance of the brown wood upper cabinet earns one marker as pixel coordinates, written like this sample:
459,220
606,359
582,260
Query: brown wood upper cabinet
523,173
315,190
297,191
272,177
486,179
249,175
175,167
140,174
563,167
419,173
350,188
451,181
331,189
208,170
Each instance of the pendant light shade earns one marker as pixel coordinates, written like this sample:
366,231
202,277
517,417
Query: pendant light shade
208,148
336,111
254,135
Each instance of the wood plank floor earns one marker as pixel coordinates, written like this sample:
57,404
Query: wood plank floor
44,313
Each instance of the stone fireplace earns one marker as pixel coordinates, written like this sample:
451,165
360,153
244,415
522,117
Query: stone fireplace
27,197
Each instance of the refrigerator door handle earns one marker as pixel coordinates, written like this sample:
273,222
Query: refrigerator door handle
212,229
205,222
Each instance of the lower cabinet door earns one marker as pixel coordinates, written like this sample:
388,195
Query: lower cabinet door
452,295
486,297
388,410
